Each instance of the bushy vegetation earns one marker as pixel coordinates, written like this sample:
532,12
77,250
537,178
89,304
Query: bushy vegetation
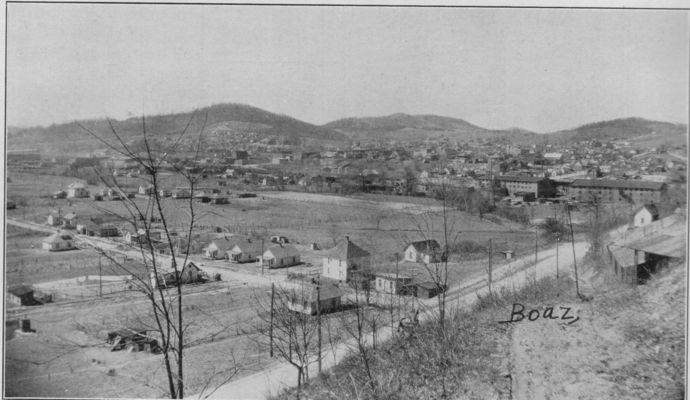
465,359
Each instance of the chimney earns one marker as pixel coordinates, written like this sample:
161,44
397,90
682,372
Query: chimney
347,237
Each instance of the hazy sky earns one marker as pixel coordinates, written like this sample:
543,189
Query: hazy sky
539,69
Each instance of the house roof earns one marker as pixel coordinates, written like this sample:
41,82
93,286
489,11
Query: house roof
664,245
649,207
390,275
20,290
623,255
246,247
428,285
225,243
283,251
57,237
76,185
424,246
607,183
70,216
346,250
327,291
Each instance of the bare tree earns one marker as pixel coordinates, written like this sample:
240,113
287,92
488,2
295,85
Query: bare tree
289,333
437,267
144,217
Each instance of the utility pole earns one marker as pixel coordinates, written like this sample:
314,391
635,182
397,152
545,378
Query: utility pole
490,267
100,278
270,332
318,318
536,249
558,242
491,181
572,241
262,256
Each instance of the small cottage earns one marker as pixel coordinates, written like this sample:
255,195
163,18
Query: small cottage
246,252
305,300
54,220
645,215
424,251
391,283
58,242
21,295
69,221
77,190
281,256
219,247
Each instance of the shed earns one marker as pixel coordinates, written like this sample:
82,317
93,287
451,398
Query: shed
21,295
428,289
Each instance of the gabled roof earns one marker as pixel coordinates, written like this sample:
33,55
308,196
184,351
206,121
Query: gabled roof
664,245
283,251
246,247
70,216
425,246
20,290
346,250
58,237
651,208
326,292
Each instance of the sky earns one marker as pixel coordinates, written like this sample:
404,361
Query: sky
537,69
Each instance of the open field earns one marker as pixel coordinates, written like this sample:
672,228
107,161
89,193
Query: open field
67,354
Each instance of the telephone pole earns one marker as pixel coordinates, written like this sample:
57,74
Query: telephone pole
572,241
490,266
270,332
100,278
262,256
318,318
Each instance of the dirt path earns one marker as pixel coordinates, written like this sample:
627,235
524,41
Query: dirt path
273,380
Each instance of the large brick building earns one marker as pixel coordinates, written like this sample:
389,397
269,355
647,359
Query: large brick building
541,187
610,191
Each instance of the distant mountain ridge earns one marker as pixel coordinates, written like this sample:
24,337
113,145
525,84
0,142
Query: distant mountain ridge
402,121
219,120
621,128
411,127
232,120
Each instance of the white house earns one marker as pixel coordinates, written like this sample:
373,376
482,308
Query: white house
59,241
424,251
281,256
245,252
391,283
645,215
77,190
218,249
305,300
340,261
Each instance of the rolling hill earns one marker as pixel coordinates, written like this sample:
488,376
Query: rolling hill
635,129
405,127
222,122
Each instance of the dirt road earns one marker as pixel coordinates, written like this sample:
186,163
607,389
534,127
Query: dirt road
273,380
